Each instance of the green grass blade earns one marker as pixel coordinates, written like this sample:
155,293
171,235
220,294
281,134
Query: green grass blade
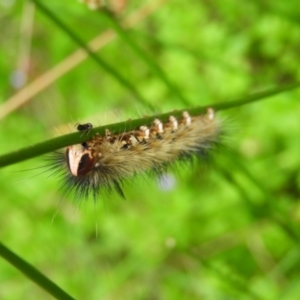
154,67
256,97
78,137
269,208
109,69
32,273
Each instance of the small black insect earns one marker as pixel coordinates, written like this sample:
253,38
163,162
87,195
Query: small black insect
84,127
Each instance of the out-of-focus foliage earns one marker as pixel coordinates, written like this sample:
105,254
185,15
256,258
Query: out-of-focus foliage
228,229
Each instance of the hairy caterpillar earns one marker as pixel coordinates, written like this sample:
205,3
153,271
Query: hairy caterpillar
103,162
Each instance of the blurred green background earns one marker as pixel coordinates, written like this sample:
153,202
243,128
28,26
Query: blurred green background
226,230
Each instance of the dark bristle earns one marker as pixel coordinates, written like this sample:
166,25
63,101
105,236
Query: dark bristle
118,189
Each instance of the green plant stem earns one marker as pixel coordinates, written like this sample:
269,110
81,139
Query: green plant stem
257,96
154,67
33,274
79,137
109,69
269,208
275,212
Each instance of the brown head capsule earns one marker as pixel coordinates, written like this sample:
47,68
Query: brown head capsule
80,160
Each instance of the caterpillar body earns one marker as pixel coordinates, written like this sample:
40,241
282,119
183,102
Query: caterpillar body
103,162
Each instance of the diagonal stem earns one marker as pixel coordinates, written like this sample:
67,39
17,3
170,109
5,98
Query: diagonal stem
77,137
32,273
